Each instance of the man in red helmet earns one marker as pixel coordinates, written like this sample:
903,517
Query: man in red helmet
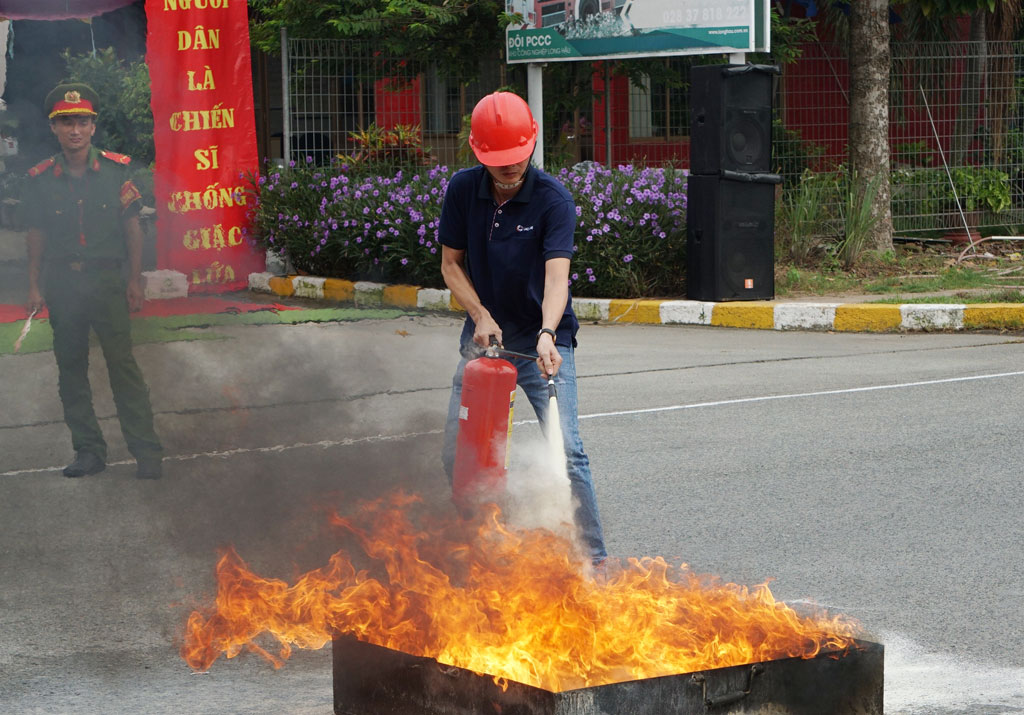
506,238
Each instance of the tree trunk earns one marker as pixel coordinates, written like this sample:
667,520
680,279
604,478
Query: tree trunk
1000,30
869,111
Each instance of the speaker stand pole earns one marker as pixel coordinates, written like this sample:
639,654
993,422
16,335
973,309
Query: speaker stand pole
535,98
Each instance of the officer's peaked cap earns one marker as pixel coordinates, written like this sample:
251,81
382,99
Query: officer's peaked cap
72,99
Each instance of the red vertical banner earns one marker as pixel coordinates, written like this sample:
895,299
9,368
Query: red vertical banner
205,135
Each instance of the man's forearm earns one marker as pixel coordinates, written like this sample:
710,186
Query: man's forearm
556,292
462,289
133,242
35,244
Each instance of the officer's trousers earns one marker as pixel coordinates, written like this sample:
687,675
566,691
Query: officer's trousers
80,301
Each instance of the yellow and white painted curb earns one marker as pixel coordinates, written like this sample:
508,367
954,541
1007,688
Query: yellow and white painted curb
765,315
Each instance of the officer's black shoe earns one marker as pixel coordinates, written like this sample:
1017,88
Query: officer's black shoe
85,463
150,468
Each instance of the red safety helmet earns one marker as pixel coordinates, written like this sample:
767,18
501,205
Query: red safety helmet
502,130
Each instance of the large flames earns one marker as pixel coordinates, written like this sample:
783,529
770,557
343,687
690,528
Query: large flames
512,603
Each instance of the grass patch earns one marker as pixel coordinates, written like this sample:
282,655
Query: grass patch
799,280
1002,296
951,278
174,328
908,269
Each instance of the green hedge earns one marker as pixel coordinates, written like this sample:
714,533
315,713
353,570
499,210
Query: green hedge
334,222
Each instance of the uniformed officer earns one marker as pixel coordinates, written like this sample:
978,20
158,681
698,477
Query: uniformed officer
82,213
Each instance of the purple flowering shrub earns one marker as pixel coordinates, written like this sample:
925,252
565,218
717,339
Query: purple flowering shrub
631,233
336,223
333,222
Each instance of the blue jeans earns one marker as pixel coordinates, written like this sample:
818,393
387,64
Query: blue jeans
529,378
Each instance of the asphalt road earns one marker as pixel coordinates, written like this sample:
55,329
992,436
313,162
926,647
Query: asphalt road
878,475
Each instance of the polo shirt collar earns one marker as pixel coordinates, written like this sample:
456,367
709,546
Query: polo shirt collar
524,194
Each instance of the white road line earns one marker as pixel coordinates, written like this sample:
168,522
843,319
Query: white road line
277,448
797,395
325,444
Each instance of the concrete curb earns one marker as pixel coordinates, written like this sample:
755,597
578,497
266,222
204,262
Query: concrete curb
764,315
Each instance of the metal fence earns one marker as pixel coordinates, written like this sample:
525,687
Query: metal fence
955,126
956,119
340,93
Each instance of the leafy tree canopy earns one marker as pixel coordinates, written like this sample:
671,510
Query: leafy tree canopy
953,8
454,33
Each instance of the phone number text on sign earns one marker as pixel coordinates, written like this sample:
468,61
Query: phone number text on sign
706,13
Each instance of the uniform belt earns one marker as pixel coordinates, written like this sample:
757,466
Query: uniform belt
91,264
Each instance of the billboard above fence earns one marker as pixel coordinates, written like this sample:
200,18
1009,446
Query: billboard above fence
563,30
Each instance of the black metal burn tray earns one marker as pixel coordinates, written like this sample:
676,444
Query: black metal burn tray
371,680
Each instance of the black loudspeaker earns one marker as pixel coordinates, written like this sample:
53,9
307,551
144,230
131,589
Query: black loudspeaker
730,237
731,118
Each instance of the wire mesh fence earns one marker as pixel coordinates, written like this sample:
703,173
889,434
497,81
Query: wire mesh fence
346,101
955,129
956,120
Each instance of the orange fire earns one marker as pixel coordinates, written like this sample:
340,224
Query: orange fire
512,603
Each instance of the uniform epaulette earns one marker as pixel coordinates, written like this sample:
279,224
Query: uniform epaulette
114,156
42,166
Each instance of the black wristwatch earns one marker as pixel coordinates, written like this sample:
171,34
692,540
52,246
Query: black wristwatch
549,331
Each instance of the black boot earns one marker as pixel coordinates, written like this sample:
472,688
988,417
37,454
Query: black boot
85,463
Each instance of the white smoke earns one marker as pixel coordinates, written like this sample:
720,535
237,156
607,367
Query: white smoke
539,495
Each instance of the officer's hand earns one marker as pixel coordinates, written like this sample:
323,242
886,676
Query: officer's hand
136,294
35,300
548,357
485,329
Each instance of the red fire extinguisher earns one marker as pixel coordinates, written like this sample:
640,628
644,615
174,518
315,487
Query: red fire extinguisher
485,427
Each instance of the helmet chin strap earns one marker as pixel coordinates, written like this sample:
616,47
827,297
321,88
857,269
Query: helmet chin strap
516,184
509,187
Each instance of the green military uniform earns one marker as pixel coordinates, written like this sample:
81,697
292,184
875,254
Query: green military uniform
84,287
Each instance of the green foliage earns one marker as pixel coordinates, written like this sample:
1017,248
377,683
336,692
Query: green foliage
631,236
803,219
858,216
917,153
810,280
464,155
949,278
789,35
792,156
333,223
125,123
978,188
1000,296
330,222
379,149
954,8
455,34
982,189
1015,146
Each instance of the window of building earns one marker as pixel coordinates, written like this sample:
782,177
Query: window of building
445,102
659,109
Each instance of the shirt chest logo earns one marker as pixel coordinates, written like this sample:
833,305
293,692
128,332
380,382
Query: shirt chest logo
521,228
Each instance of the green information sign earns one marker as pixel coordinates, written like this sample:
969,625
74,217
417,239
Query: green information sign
558,30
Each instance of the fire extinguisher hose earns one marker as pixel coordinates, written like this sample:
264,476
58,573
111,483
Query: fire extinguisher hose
496,350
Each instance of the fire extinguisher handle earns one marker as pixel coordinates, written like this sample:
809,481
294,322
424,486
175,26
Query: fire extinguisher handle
493,348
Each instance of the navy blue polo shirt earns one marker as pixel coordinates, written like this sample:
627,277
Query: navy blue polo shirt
506,248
